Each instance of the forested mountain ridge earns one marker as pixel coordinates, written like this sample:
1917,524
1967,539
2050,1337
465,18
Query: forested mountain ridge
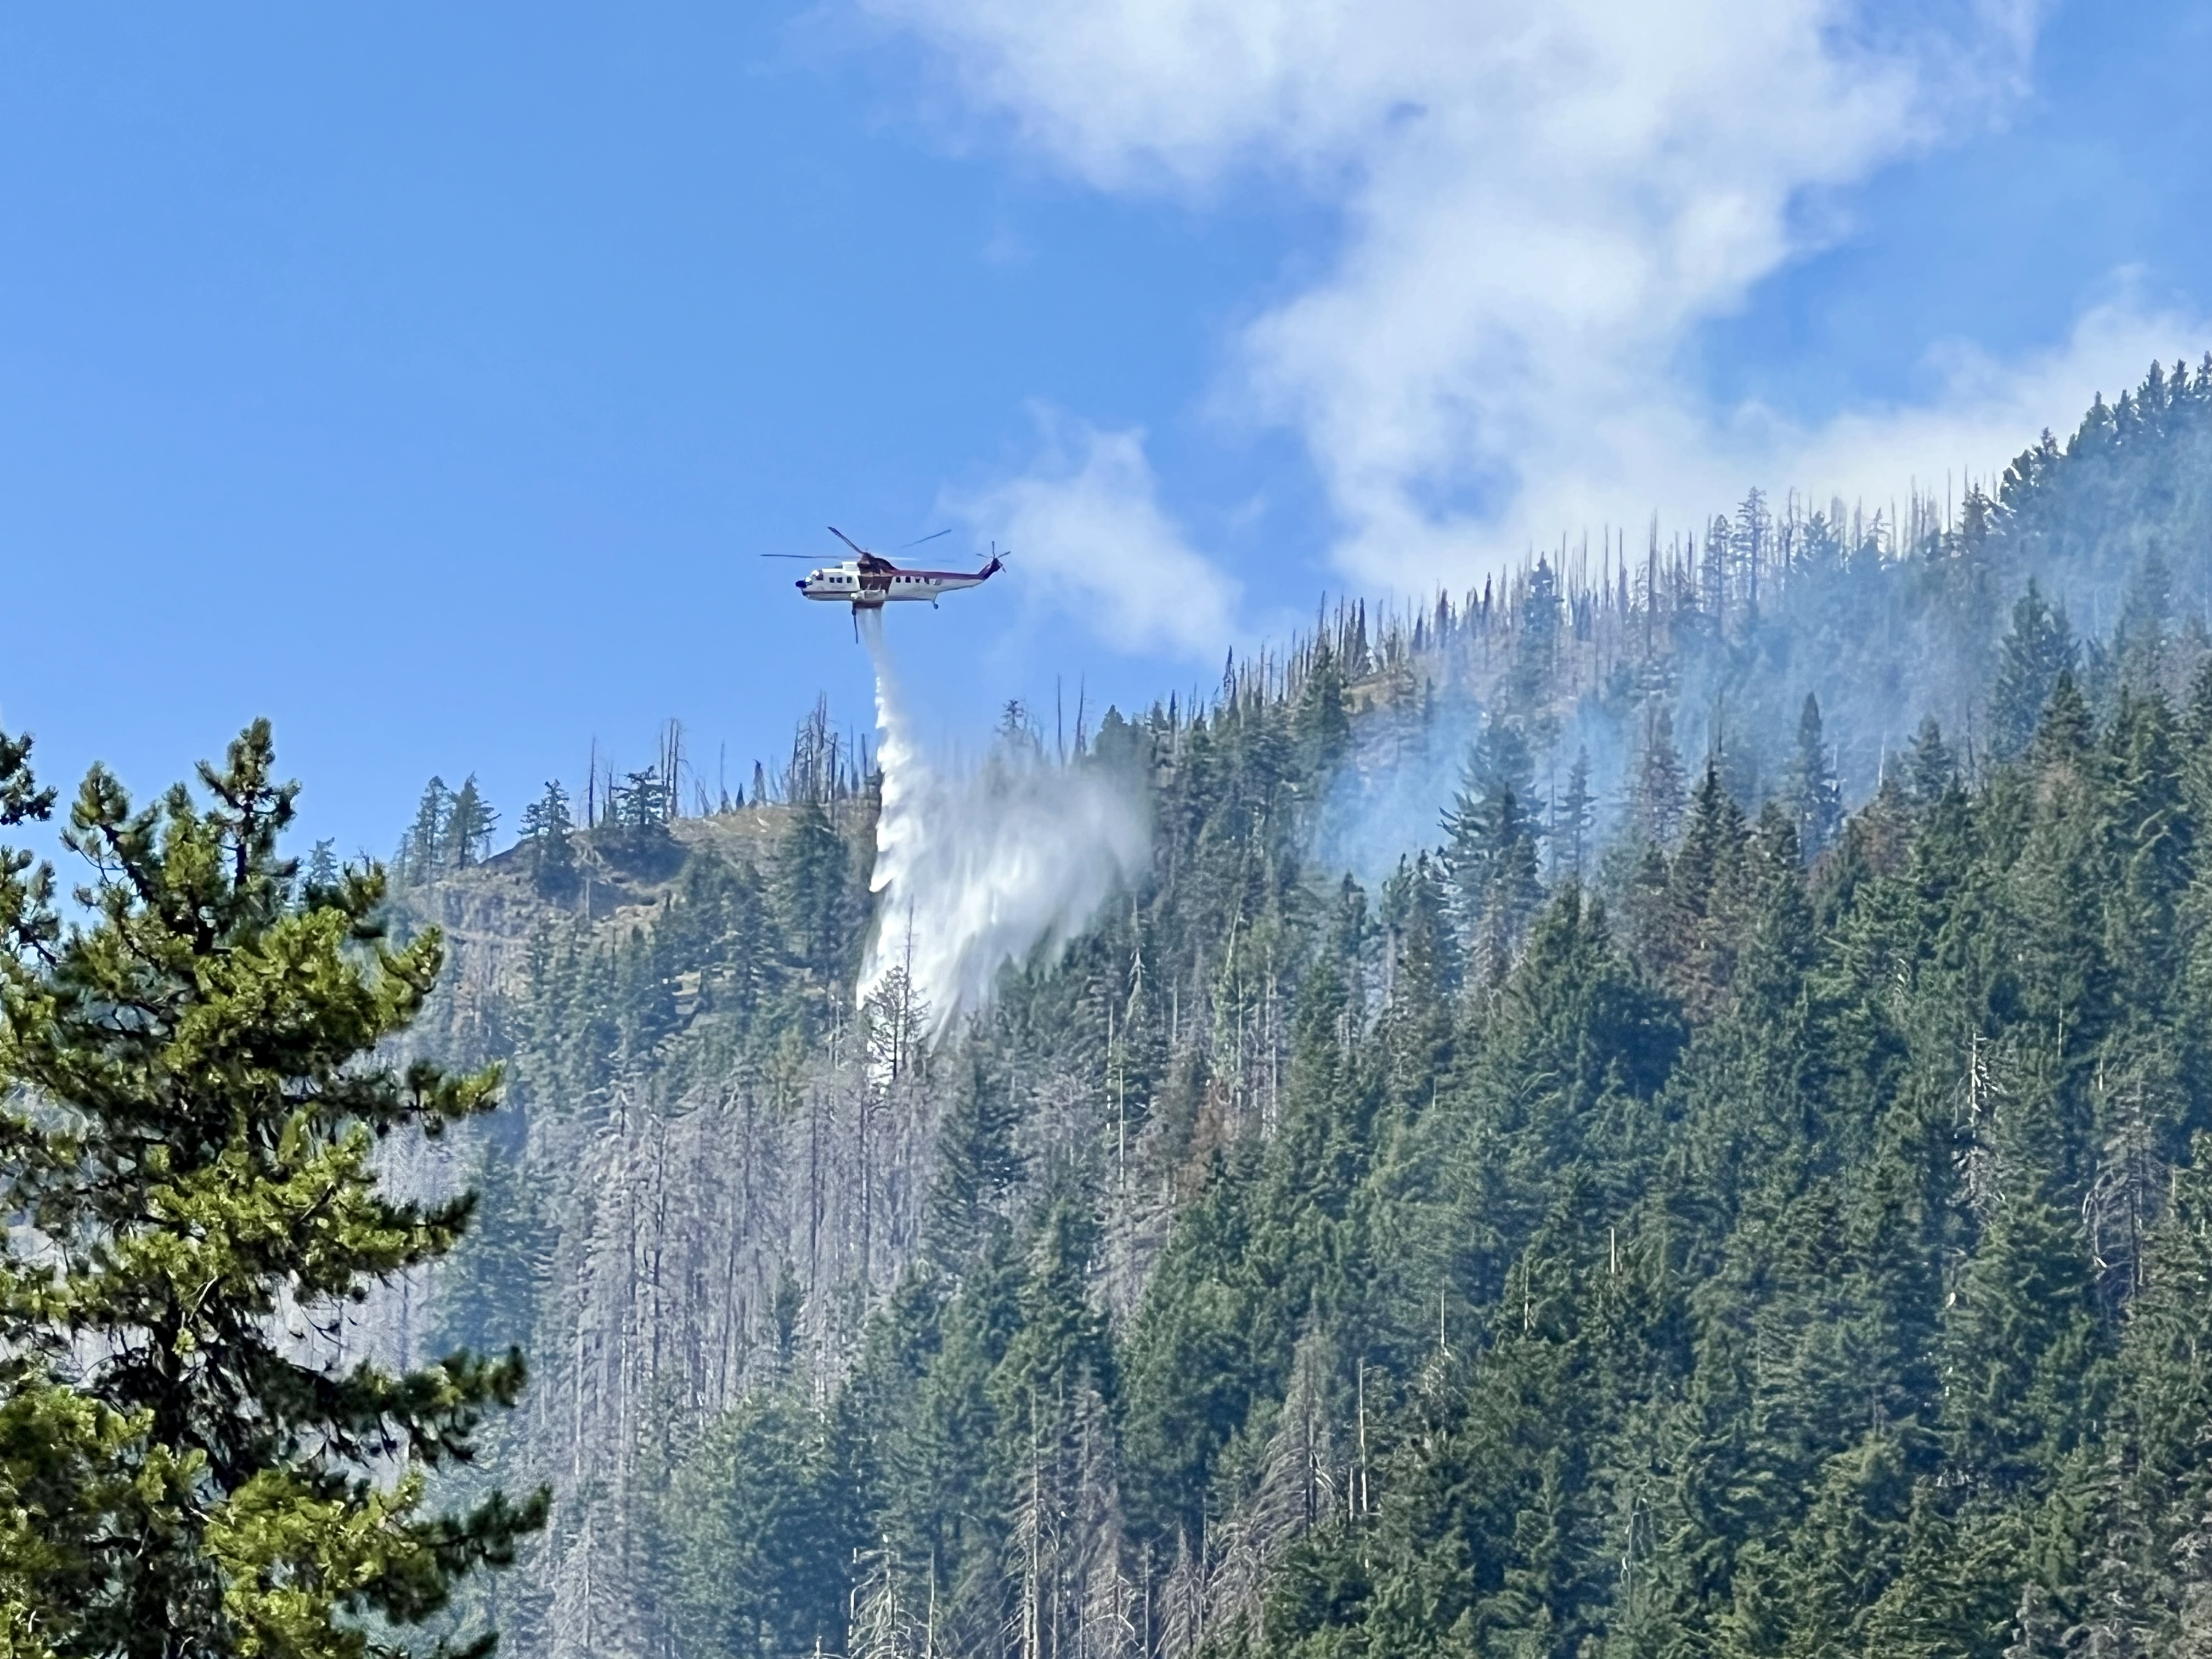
1661,1214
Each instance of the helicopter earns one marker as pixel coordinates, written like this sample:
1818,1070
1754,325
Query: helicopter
868,582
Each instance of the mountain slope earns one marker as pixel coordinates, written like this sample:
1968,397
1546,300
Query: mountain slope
1653,1213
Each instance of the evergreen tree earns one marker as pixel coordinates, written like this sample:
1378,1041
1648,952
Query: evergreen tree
1491,855
488,1297
547,833
1704,901
2152,1572
640,802
1421,968
1190,1372
322,868
1572,818
1500,884
2038,649
813,890
637,839
763,1536
1498,763
1537,638
2142,641
2023,1382
1713,591
470,825
424,848
1816,802
976,1170
22,799
1656,788
1929,768
1322,723
201,1173
1752,544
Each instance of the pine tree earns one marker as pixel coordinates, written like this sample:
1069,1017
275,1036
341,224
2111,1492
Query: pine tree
322,867
2038,650
1816,802
1706,897
469,827
813,890
978,1168
1752,544
203,1174
641,801
423,848
1498,762
2152,1574
22,799
1189,1370
2141,642
1929,768
1655,786
1573,814
1507,893
1713,588
1537,639
638,839
1420,969
1321,722
2023,1382
488,1294
1491,855
547,833
761,1537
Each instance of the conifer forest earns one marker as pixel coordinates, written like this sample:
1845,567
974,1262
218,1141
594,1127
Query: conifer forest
1655,1108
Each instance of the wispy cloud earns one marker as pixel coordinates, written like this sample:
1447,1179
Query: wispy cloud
1086,520
1543,201
1985,410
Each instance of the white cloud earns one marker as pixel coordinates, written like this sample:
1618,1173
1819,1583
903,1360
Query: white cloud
1543,201
1086,523
1655,455
1986,411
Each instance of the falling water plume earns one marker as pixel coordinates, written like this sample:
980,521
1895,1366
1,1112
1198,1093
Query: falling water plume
978,868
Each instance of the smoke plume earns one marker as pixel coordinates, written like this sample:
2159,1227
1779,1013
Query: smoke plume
977,868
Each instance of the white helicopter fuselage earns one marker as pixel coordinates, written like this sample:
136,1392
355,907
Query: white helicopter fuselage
849,584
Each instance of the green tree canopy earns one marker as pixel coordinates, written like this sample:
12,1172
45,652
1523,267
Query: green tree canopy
187,1141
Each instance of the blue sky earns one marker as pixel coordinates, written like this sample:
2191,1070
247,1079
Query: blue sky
428,379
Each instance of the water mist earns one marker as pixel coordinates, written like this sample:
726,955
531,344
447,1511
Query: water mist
978,868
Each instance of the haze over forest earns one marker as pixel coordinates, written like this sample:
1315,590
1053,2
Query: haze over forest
1531,982
1655,1107
1721,1179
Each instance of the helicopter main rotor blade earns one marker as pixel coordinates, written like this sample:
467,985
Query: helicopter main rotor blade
918,540
808,557
850,543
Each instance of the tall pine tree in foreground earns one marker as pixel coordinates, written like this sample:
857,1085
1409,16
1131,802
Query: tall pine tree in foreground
189,1114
